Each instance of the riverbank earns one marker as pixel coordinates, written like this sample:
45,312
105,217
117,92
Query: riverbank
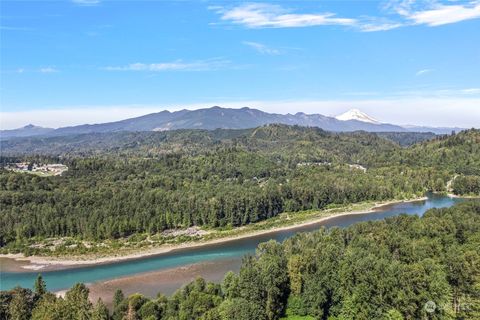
285,221
161,281
452,195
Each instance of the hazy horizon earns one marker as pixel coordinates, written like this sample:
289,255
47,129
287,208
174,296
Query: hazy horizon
92,61
57,118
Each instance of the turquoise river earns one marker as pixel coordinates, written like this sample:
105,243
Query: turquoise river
229,250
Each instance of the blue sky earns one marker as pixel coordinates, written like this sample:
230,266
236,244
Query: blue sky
71,62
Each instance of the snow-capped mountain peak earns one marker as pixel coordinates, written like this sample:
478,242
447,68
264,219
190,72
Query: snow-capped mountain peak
355,114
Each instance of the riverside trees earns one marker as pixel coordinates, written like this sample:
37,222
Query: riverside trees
404,267
211,179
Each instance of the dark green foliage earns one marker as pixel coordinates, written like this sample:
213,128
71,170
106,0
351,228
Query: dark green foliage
458,152
40,288
150,310
150,182
371,270
128,183
273,270
467,185
129,309
120,305
100,311
230,286
118,298
78,305
406,139
375,270
194,300
50,307
21,304
240,309
5,299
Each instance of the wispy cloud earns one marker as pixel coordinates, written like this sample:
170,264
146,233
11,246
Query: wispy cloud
178,65
471,91
9,28
423,72
372,24
86,2
372,27
406,13
437,14
262,15
33,70
262,48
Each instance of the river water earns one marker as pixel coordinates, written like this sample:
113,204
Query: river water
214,255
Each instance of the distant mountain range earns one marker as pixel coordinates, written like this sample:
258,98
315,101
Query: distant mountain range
27,131
226,118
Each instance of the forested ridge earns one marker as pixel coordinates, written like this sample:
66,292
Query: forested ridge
152,143
404,267
148,182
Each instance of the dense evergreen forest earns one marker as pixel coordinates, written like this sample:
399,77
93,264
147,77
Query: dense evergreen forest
405,267
151,143
126,183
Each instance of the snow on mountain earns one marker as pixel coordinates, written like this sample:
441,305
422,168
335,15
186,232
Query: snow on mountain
355,114
226,118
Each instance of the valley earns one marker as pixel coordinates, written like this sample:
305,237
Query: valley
140,207
240,160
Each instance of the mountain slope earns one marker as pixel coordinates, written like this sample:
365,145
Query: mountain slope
225,118
436,130
27,131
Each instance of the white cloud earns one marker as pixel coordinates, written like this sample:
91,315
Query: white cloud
437,14
372,27
262,15
408,12
261,48
48,70
179,65
423,72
